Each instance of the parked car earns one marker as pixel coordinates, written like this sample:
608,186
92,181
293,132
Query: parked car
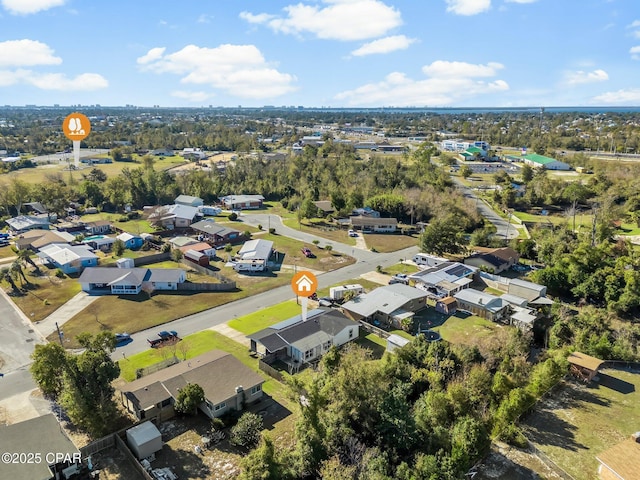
399,278
165,334
307,252
122,339
353,233
325,302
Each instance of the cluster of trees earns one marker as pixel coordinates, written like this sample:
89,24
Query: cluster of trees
429,411
80,383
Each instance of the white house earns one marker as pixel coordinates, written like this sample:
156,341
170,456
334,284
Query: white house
130,281
68,258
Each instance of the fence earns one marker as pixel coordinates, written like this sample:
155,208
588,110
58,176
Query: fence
206,271
269,370
207,287
98,445
141,372
373,329
548,462
147,259
120,445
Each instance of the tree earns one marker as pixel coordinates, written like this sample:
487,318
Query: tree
118,247
308,208
465,171
47,369
246,433
25,256
5,273
527,173
233,216
264,463
176,255
189,397
442,235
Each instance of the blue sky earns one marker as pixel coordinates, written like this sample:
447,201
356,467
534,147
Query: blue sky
338,53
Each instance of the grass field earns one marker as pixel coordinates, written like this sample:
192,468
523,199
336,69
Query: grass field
7,252
576,422
264,318
43,173
467,330
320,228
47,294
400,268
389,242
628,229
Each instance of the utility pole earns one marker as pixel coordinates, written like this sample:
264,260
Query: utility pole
60,334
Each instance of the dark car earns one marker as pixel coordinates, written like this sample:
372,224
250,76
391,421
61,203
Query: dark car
307,252
122,339
164,335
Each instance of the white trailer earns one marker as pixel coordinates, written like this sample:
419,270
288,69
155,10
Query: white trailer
337,293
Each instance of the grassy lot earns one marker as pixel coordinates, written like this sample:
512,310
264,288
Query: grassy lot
463,329
575,423
320,228
372,342
389,242
136,226
7,252
264,318
47,294
43,173
400,268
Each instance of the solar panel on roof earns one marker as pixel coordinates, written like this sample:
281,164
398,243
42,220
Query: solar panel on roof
459,271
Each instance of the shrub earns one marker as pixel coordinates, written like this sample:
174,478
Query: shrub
259,226
316,242
272,231
246,433
123,219
59,273
247,233
233,216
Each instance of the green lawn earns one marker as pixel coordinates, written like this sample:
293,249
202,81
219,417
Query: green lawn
628,229
321,228
400,268
197,344
136,226
467,330
264,318
576,422
389,242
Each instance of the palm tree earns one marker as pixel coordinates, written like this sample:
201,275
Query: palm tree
5,274
16,270
25,256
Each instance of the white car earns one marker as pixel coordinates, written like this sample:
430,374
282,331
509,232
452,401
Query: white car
352,233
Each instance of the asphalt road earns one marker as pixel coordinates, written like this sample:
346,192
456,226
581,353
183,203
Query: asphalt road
218,315
503,229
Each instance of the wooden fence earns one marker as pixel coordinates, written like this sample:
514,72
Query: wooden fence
207,287
269,370
206,271
147,259
373,329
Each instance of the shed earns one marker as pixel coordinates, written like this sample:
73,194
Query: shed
125,263
446,305
584,366
144,440
396,341
197,257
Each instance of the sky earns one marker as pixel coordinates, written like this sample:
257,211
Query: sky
320,53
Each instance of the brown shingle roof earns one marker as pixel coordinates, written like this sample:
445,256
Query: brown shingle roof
585,361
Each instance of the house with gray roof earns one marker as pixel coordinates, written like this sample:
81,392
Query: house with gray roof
129,281
189,201
391,305
444,279
227,383
297,342
39,437
174,216
242,202
483,304
215,233
22,223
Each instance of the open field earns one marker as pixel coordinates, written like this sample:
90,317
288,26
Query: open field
464,329
389,242
7,252
574,423
264,318
321,228
42,173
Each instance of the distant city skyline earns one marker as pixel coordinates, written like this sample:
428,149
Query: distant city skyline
324,53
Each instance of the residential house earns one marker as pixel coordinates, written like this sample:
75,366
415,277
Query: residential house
23,223
325,207
296,342
193,153
68,258
36,239
494,260
373,224
483,305
389,306
216,234
99,242
130,281
174,216
162,152
529,290
365,212
132,242
621,461
189,201
242,202
46,447
444,279
227,383
99,227
182,241
201,247
35,207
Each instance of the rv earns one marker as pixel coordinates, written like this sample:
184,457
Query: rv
424,260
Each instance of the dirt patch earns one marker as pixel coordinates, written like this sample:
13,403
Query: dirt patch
508,463
114,465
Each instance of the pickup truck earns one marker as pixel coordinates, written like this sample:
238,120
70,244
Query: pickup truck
164,338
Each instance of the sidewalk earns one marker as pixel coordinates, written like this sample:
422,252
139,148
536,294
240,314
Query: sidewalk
65,312
231,333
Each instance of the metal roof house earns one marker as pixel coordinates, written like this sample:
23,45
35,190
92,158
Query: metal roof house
189,201
241,202
215,233
444,279
22,223
68,258
391,305
296,342
129,281
483,304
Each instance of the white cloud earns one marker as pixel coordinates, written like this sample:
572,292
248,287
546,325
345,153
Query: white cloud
26,7
191,96
468,7
344,20
634,24
442,87
59,81
629,96
11,77
580,76
239,70
384,45
635,52
205,18
21,53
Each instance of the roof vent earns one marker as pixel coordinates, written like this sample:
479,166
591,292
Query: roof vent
239,389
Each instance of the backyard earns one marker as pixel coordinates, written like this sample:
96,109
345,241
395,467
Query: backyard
576,422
